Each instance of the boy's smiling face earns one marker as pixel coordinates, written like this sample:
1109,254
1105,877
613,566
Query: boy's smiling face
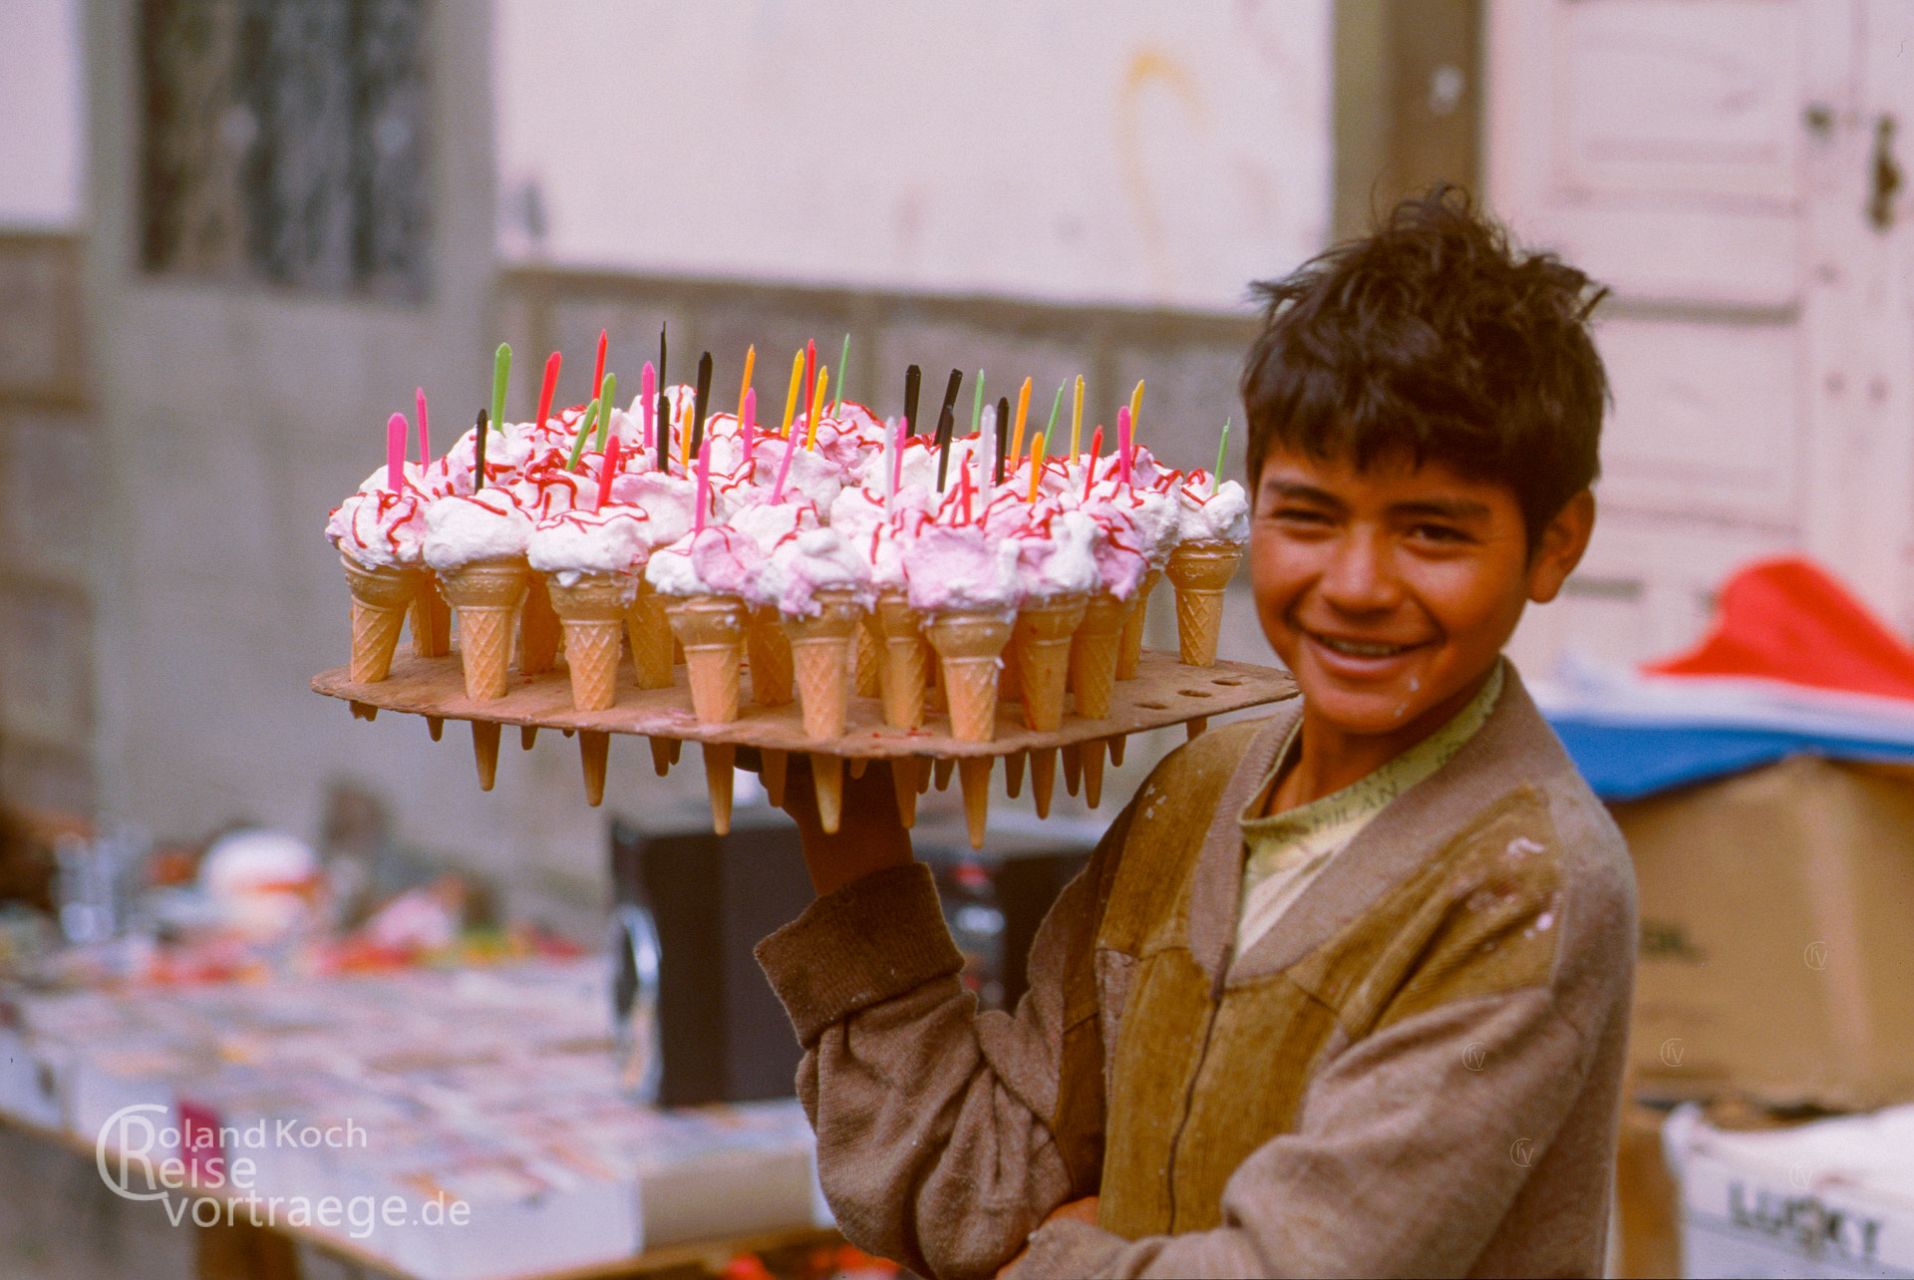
1390,591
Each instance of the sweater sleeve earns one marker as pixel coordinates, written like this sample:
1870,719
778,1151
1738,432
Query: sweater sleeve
933,1120
1411,1149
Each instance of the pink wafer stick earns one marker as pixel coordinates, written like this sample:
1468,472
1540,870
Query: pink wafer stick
395,452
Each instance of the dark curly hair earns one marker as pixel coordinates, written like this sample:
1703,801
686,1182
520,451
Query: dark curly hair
1433,336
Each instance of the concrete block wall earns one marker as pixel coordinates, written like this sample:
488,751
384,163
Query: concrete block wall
49,462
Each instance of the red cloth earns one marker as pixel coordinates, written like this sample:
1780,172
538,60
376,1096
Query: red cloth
1788,619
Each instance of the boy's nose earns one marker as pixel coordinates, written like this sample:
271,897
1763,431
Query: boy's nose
1358,578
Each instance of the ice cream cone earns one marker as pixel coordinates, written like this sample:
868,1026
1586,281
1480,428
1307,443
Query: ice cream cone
594,750
1093,655
711,628
651,642
486,595
1193,727
1009,678
770,650
1043,778
940,772
1072,768
973,772
592,612
1040,651
1130,653
1116,743
719,758
485,751
381,595
827,775
1013,774
431,619
1093,772
662,755
537,630
1200,571
904,785
435,726
777,766
821,656
906,661
870,659
527,735
970,645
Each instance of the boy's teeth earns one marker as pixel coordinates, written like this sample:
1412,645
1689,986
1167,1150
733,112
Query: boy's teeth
1356,649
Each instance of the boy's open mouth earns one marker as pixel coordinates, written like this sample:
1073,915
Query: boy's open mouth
1351,648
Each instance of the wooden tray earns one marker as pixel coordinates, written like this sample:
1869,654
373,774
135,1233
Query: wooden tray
1164,693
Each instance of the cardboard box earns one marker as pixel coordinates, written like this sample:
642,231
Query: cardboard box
1647,1201
1834,1198
1775,938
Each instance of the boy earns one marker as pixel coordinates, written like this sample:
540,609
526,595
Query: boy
1343,990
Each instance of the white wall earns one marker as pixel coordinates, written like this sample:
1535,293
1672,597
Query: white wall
40,114
1119,152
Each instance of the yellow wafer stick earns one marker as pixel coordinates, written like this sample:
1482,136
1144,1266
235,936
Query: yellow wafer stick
817,407
791,396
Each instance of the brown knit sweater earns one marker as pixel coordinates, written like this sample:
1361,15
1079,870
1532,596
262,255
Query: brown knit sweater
1415,1073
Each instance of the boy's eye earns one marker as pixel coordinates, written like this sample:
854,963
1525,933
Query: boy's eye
1439,533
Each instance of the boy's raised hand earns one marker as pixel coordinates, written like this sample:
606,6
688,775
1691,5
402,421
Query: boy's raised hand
1084,1210
870,835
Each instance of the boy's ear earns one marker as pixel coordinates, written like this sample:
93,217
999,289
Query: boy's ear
1560,548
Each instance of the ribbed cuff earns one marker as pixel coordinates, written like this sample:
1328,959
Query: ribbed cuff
870,941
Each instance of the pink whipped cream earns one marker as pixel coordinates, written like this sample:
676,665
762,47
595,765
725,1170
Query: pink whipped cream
576,543
487,525
713,561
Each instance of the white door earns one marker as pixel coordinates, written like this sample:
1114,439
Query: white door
1726,167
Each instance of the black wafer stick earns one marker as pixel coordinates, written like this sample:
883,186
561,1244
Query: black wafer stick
664,433
1003,435
913,381
950,392
944,421
704,394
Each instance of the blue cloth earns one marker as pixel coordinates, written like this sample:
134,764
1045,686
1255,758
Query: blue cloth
1630,761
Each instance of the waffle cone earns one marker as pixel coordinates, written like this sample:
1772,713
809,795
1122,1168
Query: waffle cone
431,619
711,628
538,630
970,645
719,760
904,787
1200,571
770,651
827,780
1093,655
485,734
592,613
870,659
821,656
1040,651
1130,652
594,753
381,595
651,642
973,774
486,596
906,664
